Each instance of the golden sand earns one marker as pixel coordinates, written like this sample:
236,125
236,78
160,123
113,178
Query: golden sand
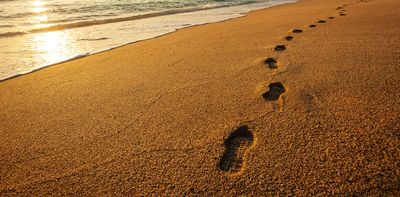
155,117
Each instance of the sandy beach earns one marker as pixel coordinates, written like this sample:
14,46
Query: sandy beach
299,99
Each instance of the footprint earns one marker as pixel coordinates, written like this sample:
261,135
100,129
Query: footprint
312,26
393,128
321,21
331,17
280,47
339,8
274,92
288,38
342,14
309,100
271,62
297,31
236,146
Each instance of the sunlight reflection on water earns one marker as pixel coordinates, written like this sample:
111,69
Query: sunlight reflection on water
38,3
52,46
38,8
49,47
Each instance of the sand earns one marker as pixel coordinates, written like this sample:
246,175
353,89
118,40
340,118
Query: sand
200,112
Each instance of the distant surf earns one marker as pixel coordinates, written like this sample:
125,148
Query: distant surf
58,27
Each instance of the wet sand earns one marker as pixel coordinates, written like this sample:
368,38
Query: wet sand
246,106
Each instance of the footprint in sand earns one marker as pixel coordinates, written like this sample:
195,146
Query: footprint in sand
275,90
309,100
342,14
313,26
288,38
331,17
271,62
280,47
321,21
297,31
236,146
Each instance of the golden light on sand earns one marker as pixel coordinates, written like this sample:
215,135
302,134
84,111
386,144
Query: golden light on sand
52,46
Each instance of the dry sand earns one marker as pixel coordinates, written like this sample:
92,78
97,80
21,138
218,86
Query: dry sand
152,117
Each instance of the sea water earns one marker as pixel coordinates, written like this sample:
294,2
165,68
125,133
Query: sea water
38,33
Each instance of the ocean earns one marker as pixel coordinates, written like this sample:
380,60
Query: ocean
39,33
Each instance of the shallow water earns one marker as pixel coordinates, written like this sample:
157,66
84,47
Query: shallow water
35,34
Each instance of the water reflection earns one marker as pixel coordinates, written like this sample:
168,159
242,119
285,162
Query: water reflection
38,8
38,4
52,47
41,18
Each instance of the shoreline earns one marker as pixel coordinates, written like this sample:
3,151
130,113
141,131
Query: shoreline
78,56
296,99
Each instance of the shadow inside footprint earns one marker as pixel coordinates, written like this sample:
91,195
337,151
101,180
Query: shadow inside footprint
297,31
236,146
288,38
280,48
274,92
271,62
312,26
321,21
342,14
331,17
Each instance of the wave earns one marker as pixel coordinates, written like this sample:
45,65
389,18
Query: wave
119,19
3,26
93,39
40,68
11,34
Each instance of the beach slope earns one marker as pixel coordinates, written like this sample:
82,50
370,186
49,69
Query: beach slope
201,111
